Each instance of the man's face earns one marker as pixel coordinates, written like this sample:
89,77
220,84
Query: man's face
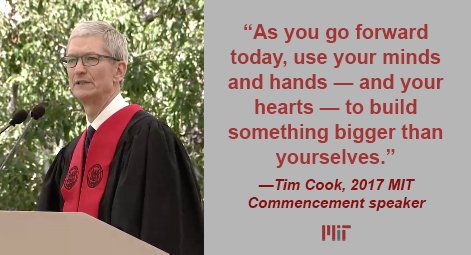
97,84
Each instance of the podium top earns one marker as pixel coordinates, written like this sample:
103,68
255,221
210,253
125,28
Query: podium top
65,233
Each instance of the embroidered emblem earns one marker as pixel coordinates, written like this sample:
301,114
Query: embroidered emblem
94,176
71,178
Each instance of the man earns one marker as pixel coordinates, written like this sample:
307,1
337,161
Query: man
128,169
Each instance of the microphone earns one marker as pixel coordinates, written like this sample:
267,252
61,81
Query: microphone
37,112
18,118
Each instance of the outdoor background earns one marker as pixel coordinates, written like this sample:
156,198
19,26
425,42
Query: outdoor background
165,76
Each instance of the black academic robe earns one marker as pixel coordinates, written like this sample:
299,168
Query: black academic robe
151,192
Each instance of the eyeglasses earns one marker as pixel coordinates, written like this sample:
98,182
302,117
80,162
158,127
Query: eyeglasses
87,60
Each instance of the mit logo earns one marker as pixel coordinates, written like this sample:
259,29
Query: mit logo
338,232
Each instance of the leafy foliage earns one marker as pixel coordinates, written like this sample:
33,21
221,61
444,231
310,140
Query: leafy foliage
165,76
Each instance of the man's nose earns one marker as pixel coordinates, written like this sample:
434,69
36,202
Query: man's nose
79,68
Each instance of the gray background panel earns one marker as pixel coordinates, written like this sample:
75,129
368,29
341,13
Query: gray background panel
235,168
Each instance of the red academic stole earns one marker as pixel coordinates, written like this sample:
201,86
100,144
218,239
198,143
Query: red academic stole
85,195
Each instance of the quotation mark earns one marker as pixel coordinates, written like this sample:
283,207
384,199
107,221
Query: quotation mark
389,152
248,27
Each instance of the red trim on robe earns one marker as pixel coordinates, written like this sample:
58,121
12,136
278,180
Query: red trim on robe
82,190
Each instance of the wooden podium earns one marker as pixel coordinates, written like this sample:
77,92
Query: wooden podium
65,234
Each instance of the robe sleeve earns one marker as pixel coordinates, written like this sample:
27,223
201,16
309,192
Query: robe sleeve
158,183
180,212
50,198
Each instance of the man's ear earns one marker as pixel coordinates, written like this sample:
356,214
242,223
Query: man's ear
121,69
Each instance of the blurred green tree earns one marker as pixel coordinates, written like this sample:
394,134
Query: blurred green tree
165,77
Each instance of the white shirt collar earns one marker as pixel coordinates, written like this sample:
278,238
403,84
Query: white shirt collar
115,105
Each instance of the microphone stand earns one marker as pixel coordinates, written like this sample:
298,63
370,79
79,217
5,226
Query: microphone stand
5,128
28,125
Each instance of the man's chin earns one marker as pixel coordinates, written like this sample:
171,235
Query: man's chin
83,96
